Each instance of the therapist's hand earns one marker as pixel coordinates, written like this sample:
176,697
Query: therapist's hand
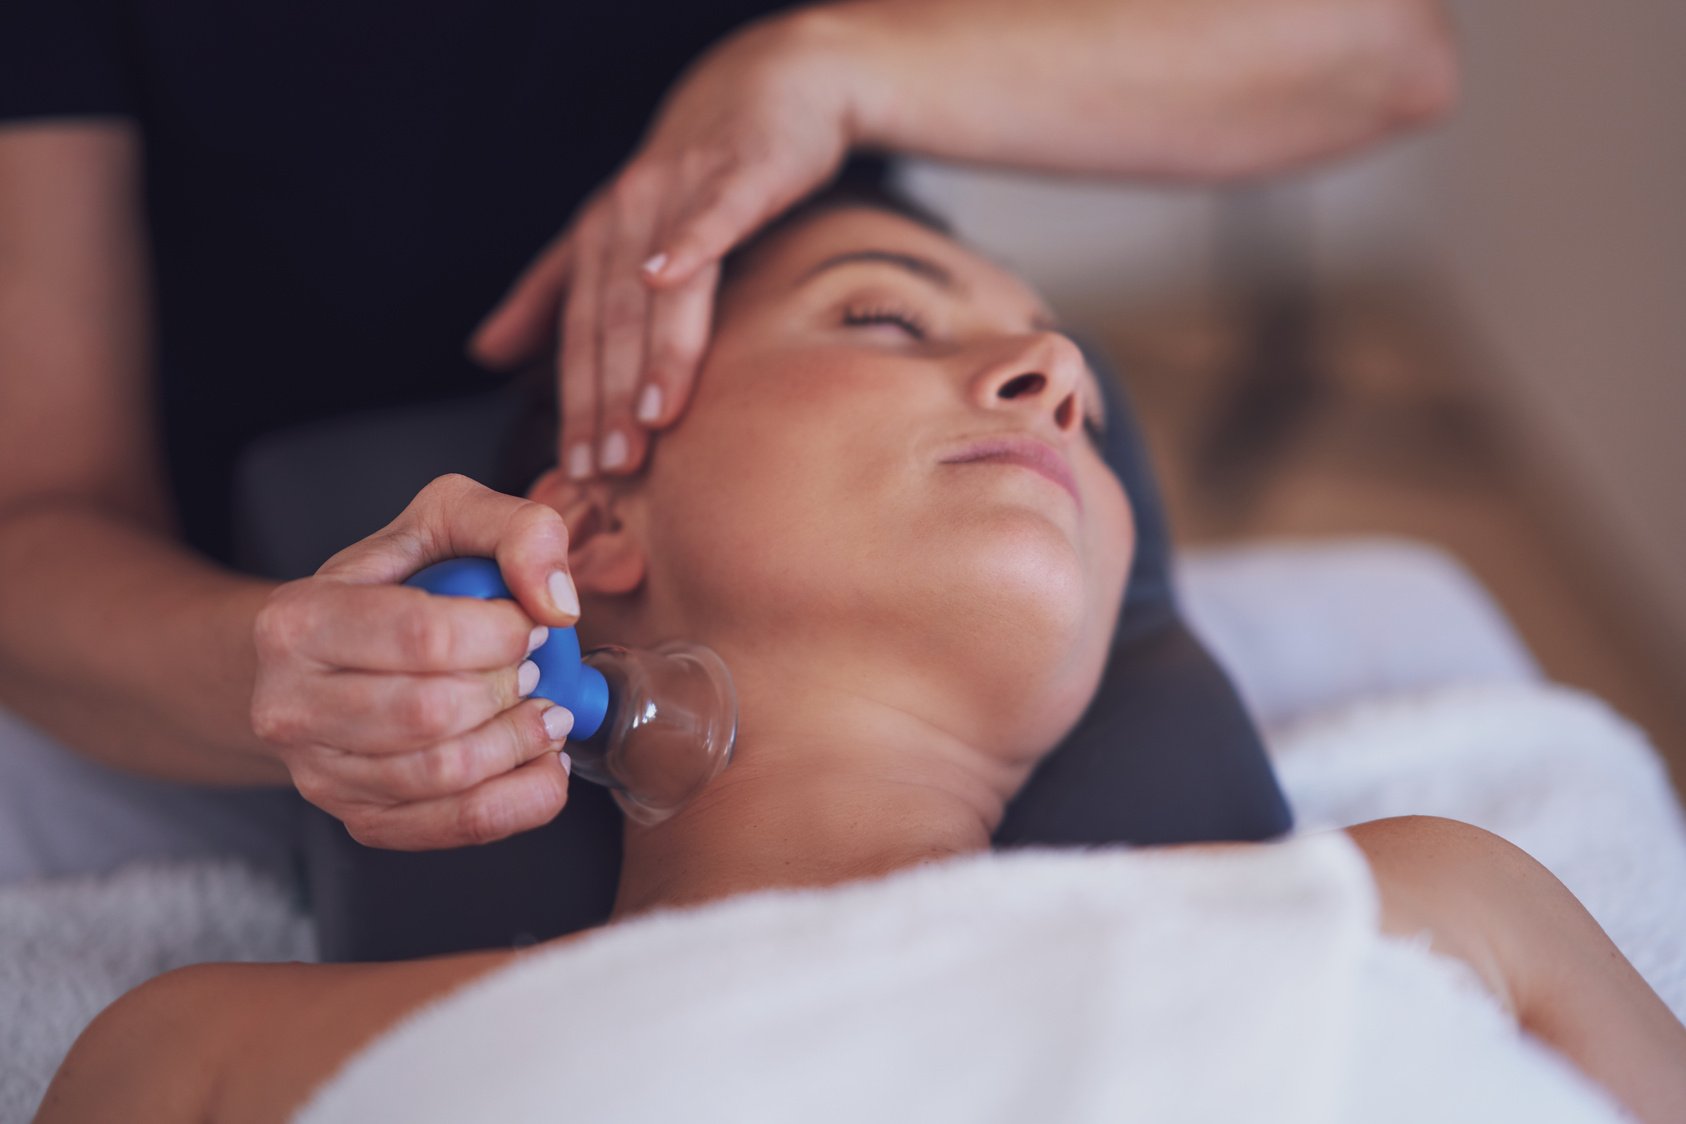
756,123
404,714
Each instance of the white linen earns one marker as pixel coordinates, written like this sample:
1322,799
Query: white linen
1303,625
1154,985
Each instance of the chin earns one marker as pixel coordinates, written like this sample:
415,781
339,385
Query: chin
1024,554
1014,578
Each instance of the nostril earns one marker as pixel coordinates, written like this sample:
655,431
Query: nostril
1023,384
1064,414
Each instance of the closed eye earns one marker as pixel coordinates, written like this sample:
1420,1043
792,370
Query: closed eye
907,321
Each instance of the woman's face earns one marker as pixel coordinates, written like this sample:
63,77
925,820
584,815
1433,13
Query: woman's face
889,450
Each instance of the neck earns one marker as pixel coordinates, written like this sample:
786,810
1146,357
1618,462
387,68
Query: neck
828,784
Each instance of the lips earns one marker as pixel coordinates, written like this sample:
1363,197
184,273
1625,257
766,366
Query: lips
1027,452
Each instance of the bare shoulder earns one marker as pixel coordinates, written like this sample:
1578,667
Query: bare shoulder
1446,878
242,1042
1563,977
156,1053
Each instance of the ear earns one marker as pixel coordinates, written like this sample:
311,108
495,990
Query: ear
605,554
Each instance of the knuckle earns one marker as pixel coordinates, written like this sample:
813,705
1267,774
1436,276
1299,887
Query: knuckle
424,636
556,790
314,787
636,187
446,769
273,721
716,199
483,820
698,162
426,711
450,488
534,518
527,736
284,620
623,307
365,830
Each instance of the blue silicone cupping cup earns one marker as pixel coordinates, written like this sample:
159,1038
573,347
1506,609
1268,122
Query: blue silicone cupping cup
653,726
563,678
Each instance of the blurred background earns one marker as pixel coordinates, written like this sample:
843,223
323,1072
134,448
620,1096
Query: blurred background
1476,338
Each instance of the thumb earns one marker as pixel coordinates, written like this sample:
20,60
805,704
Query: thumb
455,517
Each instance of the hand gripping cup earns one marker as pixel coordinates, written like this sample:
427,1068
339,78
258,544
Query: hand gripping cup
653,727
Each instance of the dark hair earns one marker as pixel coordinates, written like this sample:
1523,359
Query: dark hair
530,447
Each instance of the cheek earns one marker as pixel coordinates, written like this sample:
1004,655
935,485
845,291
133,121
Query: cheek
757,498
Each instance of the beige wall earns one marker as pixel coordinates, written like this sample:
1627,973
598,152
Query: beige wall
1551,214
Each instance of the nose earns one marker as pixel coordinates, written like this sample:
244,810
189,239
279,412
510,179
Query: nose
1037,374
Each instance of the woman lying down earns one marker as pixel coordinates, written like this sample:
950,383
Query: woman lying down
911,624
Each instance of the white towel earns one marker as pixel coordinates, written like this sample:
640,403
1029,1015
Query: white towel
1152,985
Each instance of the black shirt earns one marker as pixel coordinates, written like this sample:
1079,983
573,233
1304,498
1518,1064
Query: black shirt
338,190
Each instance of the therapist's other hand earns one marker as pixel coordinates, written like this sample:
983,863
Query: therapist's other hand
404,714
757,122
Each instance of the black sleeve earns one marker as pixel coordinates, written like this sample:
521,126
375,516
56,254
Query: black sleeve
63,58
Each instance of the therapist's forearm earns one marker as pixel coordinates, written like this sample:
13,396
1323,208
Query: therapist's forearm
129,648
1147,89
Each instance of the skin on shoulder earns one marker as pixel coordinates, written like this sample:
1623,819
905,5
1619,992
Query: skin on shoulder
1432,876
1547,960
245,1042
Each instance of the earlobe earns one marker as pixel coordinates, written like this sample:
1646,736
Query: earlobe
605,553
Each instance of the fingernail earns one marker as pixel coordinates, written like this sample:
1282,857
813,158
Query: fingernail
536,638
612,453
579,461
567,763
563,594
654,265
526,678
558,720
650,404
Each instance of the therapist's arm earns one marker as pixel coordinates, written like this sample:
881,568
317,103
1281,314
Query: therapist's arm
113,638
402,714
1167,90
1157,89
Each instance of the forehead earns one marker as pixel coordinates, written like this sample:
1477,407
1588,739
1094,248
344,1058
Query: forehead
791,255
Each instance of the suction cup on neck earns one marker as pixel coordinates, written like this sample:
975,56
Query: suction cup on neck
653,726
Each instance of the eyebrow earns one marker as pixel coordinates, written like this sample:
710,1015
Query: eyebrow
923,268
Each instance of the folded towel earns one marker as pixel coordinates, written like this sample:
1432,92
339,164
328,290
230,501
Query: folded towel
1155,984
